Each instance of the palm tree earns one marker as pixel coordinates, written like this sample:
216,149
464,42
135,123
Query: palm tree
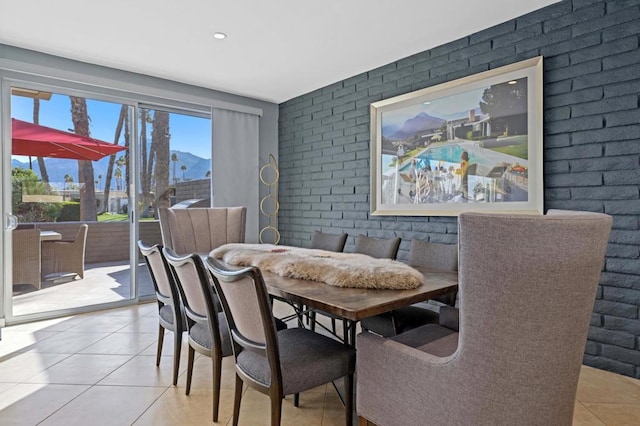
174,159
160,138
122,119
80,118
67,179
36,120
184,169
118,175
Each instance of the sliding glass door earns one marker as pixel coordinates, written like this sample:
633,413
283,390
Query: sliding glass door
86,173
70,249
174,154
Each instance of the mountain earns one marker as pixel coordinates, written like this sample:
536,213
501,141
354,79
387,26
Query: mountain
197,167
421,123
389,129
57,168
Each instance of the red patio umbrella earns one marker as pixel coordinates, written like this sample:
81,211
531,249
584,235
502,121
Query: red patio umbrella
40,141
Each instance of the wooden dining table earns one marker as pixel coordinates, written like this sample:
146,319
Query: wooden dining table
354,304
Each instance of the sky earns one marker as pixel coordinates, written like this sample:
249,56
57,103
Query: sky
448,107
188,133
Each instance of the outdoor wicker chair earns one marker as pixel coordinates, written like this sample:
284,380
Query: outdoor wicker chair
63,257
26,257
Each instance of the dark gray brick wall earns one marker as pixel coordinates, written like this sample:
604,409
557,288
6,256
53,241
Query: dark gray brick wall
591,154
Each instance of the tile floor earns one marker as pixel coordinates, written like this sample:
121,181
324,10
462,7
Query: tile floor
99,369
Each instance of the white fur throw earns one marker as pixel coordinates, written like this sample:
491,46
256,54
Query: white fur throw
336,269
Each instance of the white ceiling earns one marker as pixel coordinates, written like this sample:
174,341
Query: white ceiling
276,50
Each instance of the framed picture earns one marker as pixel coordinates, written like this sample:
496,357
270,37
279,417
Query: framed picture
473,144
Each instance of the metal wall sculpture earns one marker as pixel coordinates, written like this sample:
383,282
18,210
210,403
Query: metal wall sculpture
269,206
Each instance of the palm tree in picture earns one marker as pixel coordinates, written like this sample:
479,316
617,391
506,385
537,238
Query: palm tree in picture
184,169
174,159
208,174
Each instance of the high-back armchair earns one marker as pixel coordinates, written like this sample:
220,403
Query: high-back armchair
527,286
200,230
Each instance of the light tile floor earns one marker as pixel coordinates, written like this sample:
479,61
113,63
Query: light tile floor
99,369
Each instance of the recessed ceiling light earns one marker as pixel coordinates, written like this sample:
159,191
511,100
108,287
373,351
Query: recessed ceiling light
219,36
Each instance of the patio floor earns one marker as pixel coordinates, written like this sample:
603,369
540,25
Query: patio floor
102,283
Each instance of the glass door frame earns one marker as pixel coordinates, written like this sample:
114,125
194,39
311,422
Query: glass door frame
65,88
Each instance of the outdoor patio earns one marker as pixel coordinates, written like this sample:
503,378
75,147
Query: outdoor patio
103,283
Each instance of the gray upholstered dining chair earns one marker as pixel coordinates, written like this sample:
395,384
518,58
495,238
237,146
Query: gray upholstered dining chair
170,314
276,363
377,247
528,285
432,256
206,324
200,230
330,242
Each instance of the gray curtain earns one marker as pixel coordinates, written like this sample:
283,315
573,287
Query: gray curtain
236,165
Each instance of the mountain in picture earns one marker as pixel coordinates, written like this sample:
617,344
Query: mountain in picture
421,123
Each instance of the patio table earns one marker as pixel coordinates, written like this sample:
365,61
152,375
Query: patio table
50,236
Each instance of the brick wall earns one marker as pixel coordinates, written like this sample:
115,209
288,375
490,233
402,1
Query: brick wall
591,146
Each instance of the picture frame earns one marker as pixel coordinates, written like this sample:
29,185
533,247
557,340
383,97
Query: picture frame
472,144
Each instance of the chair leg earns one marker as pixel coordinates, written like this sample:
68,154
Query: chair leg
345,332
237,397
160,343
348,399
177,347
333,325
276,409
192,353
217,370
296,399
